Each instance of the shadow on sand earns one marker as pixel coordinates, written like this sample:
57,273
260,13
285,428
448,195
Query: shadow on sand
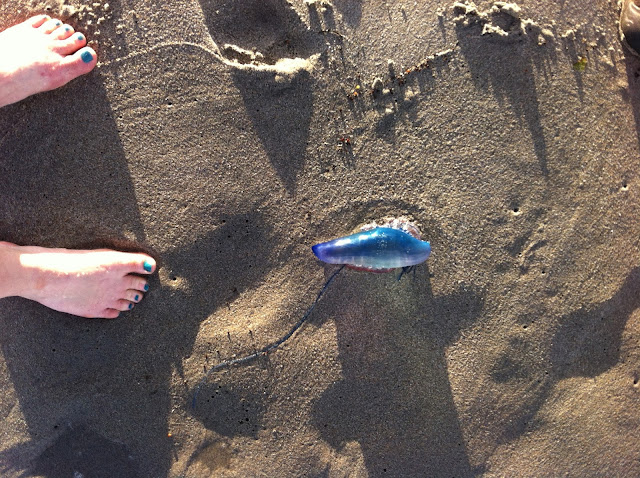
272,30
507,68
102,387
586,343
65,183
395,398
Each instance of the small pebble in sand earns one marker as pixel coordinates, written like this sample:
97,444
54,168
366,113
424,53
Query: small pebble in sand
377,87
510,9
489,29
581,64
320,3
465,8
546,32
354,93
344,141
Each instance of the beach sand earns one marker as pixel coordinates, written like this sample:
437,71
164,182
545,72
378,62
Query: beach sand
214,134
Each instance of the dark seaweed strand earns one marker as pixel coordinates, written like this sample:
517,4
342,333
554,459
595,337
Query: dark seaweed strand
269,348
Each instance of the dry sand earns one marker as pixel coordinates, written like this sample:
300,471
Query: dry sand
210,134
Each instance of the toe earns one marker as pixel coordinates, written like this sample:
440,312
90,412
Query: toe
38,20
148,265
109,314
50,25
123,305
70,67
71,44
133,263
141,264
137,283
134,296
62,32
80,63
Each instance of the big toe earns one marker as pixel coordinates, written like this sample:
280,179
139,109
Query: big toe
148,265
72,66
133,263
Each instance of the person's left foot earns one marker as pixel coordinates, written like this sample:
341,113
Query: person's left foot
41,54
88,283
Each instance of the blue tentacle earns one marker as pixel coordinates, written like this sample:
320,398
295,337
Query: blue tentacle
407,270
269,348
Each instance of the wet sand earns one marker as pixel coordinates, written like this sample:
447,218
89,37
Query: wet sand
213,133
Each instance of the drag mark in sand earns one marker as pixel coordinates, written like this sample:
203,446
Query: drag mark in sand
286,66
160,46
269,348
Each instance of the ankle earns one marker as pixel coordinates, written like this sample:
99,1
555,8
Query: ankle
7,93
15,278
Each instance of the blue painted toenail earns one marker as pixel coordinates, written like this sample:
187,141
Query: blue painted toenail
130,306
146,287
147,266
86,56
80,36
137,297
67,28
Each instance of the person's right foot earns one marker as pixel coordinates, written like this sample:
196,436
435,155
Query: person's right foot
630,25
38,55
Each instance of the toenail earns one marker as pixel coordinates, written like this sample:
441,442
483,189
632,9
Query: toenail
147,266
67,28
86,56
130,306
137,297
58,23
146,287
80,36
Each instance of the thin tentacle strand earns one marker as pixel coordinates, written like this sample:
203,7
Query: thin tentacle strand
269,348
407,270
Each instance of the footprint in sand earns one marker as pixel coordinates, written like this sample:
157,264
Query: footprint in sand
259,32
272,53
502,21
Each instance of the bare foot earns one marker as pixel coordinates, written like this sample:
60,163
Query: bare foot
38,55
99,283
